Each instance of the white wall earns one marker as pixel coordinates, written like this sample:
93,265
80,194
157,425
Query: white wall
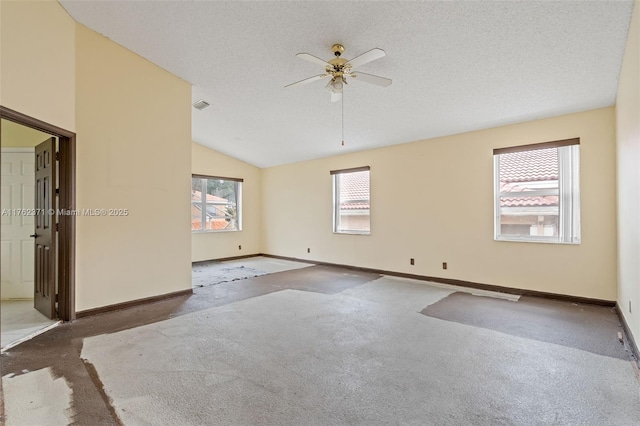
432,200
216,245
628,182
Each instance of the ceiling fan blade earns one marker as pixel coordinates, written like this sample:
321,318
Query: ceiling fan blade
366,57
307,80
336,97
313,59
370,78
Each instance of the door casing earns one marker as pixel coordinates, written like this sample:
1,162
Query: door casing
67,201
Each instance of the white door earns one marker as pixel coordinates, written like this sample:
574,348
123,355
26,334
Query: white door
18,195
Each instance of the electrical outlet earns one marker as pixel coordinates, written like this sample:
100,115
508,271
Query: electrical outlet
308,250
239,247
444,265
412,262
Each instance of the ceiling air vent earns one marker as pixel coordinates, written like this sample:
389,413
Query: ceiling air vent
201,104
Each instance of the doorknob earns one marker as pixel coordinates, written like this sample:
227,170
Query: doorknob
33,236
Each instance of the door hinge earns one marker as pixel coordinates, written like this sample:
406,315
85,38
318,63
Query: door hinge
57,227
57,191
57,156
56,297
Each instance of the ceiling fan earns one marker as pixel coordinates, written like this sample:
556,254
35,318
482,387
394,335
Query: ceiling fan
340,69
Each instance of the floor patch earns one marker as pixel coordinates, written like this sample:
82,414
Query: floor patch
585,327
216,272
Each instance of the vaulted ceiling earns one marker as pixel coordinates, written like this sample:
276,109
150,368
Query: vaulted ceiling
456,66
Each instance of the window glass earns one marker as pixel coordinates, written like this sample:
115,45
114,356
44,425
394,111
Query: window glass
215,204
537,195
351,202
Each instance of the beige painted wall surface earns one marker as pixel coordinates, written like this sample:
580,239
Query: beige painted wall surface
216,245
628,144
131,154
18,136
37,65
433,200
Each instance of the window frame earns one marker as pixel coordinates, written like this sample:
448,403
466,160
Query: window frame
336,201
568,192
203,203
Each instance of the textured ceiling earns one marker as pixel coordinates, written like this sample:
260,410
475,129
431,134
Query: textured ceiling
456,66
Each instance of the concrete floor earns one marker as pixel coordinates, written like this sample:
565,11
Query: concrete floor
325,345
215,272
19,320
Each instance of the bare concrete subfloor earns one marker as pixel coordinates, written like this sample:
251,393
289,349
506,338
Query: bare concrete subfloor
324,345
215,272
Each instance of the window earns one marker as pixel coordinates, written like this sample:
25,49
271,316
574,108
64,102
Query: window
351,207
537,192
215,204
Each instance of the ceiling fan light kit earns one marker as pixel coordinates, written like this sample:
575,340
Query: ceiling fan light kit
335,85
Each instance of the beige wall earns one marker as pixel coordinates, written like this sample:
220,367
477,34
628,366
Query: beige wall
433,201
216,245
18,136
37,63
133,154
628,144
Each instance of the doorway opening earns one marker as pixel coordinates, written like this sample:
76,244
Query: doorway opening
38,243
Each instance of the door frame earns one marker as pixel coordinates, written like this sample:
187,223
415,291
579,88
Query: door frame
66,265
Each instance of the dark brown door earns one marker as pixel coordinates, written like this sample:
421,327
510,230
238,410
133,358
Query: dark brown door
45,229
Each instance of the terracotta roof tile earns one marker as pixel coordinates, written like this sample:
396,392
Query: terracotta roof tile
529,166
538,201
518,168
354,190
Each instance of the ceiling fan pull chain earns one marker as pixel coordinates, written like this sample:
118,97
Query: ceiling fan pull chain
342,106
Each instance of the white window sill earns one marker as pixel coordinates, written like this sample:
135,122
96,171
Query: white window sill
216,231
534,240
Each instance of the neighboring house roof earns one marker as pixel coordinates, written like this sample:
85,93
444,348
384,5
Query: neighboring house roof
529,166
519,168
215,213
196,221
354,191
542,201
197,196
